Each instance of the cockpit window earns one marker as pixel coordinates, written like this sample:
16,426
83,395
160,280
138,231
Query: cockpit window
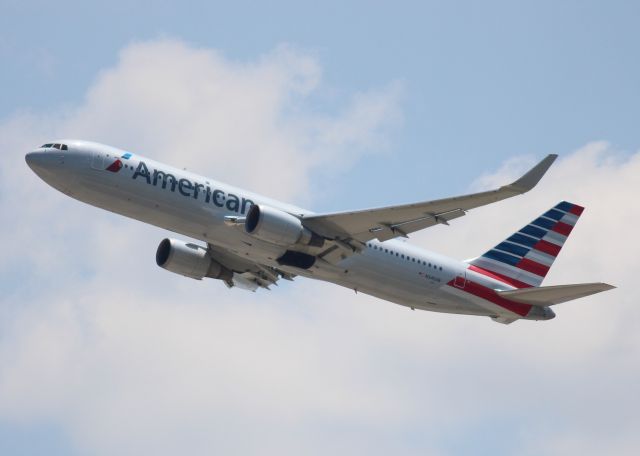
56,146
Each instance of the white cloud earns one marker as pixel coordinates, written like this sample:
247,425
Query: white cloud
128,358
236,121
247,123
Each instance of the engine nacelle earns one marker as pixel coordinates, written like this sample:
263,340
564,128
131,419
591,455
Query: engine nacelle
278,227
189,260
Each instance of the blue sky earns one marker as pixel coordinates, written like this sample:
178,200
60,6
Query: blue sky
482,80
354,104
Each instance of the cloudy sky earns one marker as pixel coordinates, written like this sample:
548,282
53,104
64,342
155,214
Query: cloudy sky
331,107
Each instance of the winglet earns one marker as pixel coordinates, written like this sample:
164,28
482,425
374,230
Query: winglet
533,176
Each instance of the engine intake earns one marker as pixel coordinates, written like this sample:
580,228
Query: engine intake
279,227
190,260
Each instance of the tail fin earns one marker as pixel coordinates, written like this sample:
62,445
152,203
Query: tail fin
524,258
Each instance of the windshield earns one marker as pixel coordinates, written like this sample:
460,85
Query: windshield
56,146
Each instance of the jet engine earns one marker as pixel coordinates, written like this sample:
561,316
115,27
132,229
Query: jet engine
279,227
190,260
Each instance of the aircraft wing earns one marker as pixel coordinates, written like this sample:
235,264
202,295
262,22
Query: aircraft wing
247,274
354,227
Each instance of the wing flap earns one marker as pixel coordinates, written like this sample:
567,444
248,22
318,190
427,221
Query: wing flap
556,294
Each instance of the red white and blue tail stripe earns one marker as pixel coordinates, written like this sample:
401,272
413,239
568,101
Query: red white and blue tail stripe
524,258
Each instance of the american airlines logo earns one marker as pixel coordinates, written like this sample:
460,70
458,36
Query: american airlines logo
117,165
190,189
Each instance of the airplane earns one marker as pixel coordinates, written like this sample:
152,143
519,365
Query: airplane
251,241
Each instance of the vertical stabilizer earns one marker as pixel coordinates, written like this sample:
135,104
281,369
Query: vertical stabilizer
524,258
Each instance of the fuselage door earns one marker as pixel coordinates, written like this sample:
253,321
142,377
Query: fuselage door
97,161
103,161
461,280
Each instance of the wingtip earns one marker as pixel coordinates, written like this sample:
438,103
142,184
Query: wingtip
533,176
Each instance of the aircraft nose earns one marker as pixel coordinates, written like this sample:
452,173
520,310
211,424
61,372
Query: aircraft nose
35,159
43,161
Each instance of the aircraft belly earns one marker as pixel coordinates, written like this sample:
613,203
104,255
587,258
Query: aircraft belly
399,283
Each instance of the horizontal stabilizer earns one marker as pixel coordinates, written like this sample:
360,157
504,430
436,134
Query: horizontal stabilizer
556,294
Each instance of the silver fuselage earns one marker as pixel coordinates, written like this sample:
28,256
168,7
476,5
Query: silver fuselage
196,206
